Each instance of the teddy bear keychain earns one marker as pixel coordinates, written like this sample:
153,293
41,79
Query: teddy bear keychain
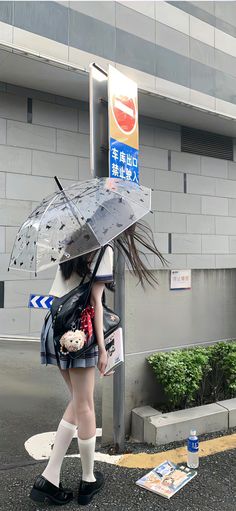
74,339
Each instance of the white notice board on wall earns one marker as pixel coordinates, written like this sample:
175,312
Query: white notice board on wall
180,279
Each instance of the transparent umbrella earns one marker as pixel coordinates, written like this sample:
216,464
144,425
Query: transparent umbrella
77,220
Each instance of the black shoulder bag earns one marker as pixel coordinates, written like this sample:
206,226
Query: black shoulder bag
72,316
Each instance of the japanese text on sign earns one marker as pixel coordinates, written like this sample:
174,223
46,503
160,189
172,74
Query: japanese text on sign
180,279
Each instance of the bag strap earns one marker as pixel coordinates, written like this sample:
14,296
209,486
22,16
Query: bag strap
102,250
82,280
104,294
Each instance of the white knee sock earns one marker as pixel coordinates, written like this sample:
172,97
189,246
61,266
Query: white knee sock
87,449
63,437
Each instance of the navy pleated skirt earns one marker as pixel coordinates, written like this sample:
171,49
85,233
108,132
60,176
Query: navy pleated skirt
48,355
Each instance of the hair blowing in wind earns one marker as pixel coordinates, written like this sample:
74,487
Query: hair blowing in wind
134,242
130,242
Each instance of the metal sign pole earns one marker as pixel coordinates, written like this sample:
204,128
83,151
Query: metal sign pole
99,168
119,375
98,121
123,163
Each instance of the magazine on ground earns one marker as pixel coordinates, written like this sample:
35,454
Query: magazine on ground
115,351
167,478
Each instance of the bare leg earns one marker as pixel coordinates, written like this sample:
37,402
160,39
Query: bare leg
69,414
82,380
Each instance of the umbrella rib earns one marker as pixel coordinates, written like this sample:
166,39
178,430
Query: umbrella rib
72,200
66,203
129,198
51,202
102,206
110,212
83,217
44,212
10,260
80,213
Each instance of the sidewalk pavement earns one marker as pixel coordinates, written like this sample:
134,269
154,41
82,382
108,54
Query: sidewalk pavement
213,489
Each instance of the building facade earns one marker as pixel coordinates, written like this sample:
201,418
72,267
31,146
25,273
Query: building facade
182,55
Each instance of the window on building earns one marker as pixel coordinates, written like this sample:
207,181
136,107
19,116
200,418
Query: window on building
206,143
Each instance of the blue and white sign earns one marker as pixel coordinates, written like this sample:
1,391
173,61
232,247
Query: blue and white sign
40,301
123,161
123,126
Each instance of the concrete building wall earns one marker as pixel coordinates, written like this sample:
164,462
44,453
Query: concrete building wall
191,46
193,200
55,143
161,319
202,227
201,222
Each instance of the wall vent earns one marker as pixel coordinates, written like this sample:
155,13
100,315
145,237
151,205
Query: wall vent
206,143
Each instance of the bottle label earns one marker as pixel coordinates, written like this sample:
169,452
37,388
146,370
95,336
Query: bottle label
193,445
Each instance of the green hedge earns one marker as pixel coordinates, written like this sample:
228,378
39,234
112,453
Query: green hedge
196,376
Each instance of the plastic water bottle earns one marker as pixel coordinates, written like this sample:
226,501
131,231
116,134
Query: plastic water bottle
193,450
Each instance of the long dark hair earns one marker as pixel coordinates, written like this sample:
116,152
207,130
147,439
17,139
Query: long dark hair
139,232
78,265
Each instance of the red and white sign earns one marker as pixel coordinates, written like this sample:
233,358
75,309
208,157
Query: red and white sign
125,113
123,108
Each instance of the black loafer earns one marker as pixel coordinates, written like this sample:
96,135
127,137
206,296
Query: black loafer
88,490
43,490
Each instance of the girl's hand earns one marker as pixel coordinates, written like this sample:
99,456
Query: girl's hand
102,360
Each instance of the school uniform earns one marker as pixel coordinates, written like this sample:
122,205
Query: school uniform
59,288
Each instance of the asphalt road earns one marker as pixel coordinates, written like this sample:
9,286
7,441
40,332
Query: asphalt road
213,489
32,400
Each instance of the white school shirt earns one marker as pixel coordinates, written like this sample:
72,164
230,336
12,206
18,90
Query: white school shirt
104,273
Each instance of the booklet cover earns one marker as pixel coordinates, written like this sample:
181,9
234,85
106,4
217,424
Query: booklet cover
115,351
167,478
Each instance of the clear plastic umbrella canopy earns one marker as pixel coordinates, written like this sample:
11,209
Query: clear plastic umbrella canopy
78,220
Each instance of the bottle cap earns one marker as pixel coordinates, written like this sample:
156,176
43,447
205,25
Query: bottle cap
193,432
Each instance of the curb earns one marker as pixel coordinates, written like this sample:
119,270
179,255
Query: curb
157,428
21,338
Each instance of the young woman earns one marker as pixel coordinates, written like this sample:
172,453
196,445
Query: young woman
80,376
